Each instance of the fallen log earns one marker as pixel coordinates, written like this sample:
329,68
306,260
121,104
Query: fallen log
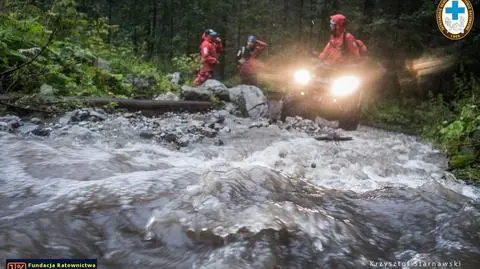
150,106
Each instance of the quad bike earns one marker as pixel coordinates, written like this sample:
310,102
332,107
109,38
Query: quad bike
331,94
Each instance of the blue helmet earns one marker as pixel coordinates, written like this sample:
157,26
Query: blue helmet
252,38
211,32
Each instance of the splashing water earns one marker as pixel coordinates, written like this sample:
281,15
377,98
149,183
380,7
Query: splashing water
255,202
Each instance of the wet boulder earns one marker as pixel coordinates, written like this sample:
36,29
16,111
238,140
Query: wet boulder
250,100
226,130
27,128
80,115
195,93
169,96
215,122
218,142
259,124
170,137
208,132
175,78
274,110
146,135
42,131
220,119
231,108
96,116
11,122
3,126
218,89
183,141
36,121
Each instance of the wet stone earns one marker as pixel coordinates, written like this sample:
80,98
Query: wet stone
183,141
170,137
218,142
208,132
226,130
27,128
36,121
79,115
220,119
95,116
3,126
12,122
42,131
146,135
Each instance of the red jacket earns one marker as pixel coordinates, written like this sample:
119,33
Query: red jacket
332,53
209,51
250,67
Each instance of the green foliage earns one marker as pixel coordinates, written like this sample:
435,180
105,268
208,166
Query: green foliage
394,115
242,106
217,103
459,139
78,61
454,128
186,64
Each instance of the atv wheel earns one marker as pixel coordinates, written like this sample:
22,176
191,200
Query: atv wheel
286,111
349,121
351,118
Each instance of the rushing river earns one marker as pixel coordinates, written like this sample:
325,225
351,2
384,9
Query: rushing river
264,198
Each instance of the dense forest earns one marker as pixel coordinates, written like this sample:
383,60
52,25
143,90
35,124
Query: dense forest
85,47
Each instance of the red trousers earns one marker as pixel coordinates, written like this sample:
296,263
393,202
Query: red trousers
202,76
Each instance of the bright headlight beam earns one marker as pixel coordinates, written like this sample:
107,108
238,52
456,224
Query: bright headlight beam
344,86
302,76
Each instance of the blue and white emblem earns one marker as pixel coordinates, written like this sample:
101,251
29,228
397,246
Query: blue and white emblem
455,18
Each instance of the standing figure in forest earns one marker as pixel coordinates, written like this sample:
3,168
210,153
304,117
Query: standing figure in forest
342,48
210,49
246,60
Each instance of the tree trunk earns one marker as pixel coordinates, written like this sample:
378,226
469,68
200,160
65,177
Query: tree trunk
224,31
368,7
134,22
109,3
312,19
240,22
144,105
172,21
188,30
153,29
335,6
300,22
323,21
273,20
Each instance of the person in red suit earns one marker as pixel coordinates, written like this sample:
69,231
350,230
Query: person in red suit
246,59
342,48
210,49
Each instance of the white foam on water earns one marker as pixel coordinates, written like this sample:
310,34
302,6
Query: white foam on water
210,184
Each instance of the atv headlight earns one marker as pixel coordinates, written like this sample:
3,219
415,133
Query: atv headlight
302,76
344,86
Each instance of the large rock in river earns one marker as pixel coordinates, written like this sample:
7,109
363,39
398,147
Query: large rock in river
204,92
195,93
250,100
217,88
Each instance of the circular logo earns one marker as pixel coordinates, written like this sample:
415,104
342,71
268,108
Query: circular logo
455,18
